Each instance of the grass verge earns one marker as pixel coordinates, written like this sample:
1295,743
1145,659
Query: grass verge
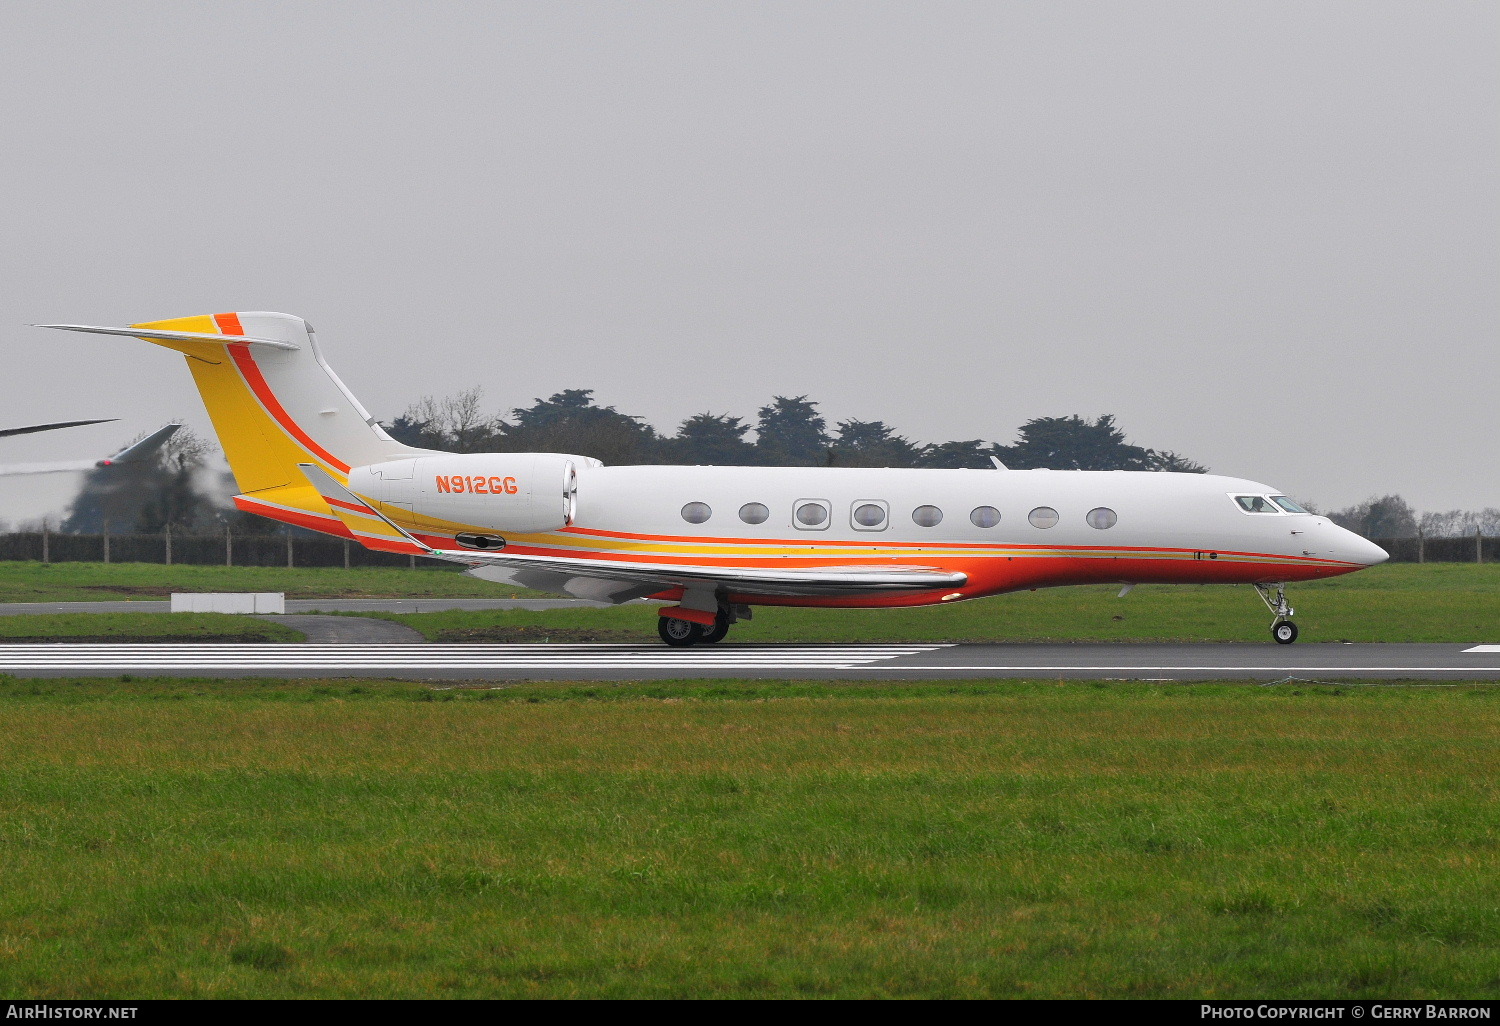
124,627
1434,602
23,581
713,838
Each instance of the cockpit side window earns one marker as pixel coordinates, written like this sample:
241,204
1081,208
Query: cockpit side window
1286,503
1256,504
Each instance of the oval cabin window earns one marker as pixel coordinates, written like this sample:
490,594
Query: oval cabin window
1043,517
1102,518
754,513
927,516
869,515
811,514
984,516
696,512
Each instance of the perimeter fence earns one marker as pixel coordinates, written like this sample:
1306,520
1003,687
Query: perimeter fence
203,550
314,550
1473,548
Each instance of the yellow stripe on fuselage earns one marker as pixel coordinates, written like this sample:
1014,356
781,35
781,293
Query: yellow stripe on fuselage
736,553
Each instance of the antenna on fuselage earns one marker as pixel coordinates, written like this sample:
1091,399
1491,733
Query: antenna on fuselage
998,465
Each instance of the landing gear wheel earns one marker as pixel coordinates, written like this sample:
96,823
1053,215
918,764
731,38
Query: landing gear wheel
678,633
1282,628
715,634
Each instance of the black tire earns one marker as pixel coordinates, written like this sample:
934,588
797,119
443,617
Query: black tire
715,634
1284,632
678,633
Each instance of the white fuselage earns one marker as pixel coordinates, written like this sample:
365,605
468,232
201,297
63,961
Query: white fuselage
1151,527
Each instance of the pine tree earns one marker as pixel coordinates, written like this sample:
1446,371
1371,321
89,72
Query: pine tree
791,434
709,439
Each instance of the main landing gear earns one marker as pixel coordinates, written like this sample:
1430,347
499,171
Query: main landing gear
682,633
1282,627
678,633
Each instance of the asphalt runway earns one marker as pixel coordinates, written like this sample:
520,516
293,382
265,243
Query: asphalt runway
492,662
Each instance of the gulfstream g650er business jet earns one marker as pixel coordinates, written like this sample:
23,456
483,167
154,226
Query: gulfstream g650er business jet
714,541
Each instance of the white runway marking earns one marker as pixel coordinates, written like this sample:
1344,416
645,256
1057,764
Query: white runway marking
312,658
1117,667
1483,648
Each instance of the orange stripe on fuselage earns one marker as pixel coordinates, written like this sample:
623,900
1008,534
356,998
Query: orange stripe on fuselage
258,385
928,554
298,518
326,525
988,574
875,548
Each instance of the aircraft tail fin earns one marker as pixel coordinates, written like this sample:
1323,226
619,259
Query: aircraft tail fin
137,451
274,402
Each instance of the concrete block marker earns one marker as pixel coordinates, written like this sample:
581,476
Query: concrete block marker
229,602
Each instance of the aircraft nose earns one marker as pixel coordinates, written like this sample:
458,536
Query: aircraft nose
1359,550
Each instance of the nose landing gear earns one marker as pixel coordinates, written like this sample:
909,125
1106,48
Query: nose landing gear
1282,627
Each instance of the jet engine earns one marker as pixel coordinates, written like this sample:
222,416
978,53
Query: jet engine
504,492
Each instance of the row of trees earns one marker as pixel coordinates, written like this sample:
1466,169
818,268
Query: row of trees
182,490
1391,516
788,432
177,487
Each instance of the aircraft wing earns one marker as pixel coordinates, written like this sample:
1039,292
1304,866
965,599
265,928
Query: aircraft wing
62,466
807,581
7,432
608,580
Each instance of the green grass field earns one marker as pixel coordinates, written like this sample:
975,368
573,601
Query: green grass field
22,581
124,627
1406,602
271,839
1436,602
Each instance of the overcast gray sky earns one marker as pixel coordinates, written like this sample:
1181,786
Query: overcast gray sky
1263,234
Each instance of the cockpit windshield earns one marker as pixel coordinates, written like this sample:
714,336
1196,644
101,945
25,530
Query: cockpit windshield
1272,505
1255,504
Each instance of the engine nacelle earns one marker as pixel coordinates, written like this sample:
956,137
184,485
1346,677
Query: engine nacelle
503,492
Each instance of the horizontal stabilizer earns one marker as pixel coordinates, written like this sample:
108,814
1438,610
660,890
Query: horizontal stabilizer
173,336
369,527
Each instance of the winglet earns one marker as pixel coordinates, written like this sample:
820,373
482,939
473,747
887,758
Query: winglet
370,527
